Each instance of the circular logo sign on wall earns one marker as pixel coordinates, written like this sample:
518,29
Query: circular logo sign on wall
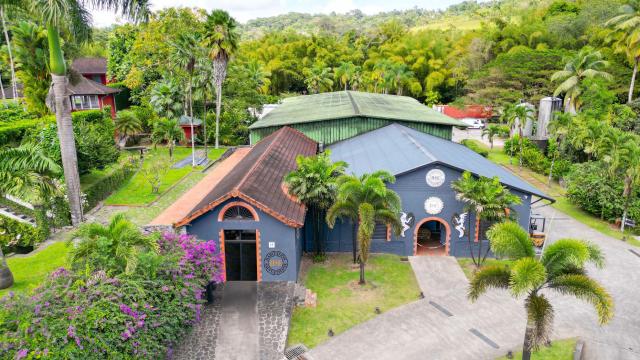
276,262
433,205
435,177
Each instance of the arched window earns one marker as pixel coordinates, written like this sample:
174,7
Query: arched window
238,212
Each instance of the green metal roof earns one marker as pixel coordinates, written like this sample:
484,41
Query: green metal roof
346,104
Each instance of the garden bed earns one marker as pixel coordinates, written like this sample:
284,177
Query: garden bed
559,350
469,268
342,303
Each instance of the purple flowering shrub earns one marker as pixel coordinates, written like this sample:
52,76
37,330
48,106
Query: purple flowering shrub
98,316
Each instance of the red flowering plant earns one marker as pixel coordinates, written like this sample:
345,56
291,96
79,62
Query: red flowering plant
102,315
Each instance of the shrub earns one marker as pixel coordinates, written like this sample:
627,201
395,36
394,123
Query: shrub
514,144
12,111
561,167
476,146
534,159
89,116
13,132
102,188
97,316
18,234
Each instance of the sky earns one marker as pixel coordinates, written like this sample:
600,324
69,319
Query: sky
244,10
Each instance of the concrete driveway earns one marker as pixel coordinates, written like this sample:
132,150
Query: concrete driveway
445,325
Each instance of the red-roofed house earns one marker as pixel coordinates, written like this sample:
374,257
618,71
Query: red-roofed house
91,92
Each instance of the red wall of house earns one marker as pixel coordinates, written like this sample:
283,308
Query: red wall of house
108,100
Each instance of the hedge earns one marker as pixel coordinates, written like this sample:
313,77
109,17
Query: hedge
17,233
100,189
476,146
13,132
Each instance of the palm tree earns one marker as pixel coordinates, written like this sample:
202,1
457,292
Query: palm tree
318,79
260,76
12,66
113,248
401,76
508,117
626,36
558,128
560,269
127,124
586,64
186,52
22,170
203,82
72,16
522,113
366,200
345,73
169,131
314,183
221,38
490,132
165,99
487,199
587,135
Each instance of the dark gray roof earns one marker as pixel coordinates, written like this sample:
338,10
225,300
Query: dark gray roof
399,149
185,120
84,86
90,65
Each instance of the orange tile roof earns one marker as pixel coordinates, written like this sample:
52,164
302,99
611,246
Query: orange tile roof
185,205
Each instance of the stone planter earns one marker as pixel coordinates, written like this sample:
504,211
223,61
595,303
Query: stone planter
6,277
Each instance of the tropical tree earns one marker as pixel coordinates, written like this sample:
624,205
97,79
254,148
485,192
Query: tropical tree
166,99
260,75
345,73
560,269
586,64
486,199
490,132
71,16
558,129
507,116
314,183
204,86
127,124
113,248
626,36
521,115
366,200
221,40
318,79
12,66
586,135
169,131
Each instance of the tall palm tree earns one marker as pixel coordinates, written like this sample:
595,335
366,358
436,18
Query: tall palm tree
507,116
221,39
345,73
366,200
490,132
560,269
203,86
127,124
23,170
165,99
401,76
169,131
486,199
586,64
113,248
72,16
523,114
558,128
314,183
318,79
186,52
626,36
12,66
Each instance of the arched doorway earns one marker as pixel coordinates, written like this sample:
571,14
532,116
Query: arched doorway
431,237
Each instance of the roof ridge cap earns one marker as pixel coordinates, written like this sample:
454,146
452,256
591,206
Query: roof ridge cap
417,144
356,109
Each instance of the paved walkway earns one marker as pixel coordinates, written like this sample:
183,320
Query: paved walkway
238,335
445,325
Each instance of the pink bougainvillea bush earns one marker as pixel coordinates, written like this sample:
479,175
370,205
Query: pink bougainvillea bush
75,315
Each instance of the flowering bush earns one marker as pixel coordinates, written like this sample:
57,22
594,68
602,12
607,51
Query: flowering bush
97,316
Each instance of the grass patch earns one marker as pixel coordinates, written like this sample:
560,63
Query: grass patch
138,192
342,303
30,271
469,268
559,350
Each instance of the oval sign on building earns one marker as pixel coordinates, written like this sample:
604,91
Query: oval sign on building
435,177
433,205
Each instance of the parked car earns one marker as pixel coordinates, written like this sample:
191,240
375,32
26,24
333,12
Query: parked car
474,123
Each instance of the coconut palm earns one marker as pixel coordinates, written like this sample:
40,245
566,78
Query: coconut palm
318,79
221,40
314,183
586,64
113,248
169,131
558,128
486,199
12,66
345,73
165,99
72,16
366,200
127,124
626,36
586,135
203,86
490,132
521,114
560,269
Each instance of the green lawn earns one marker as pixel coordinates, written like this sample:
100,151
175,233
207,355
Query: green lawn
30,271
138,192
342,303
559,350
469,268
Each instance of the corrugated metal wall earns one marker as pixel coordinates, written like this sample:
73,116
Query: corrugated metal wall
330,131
